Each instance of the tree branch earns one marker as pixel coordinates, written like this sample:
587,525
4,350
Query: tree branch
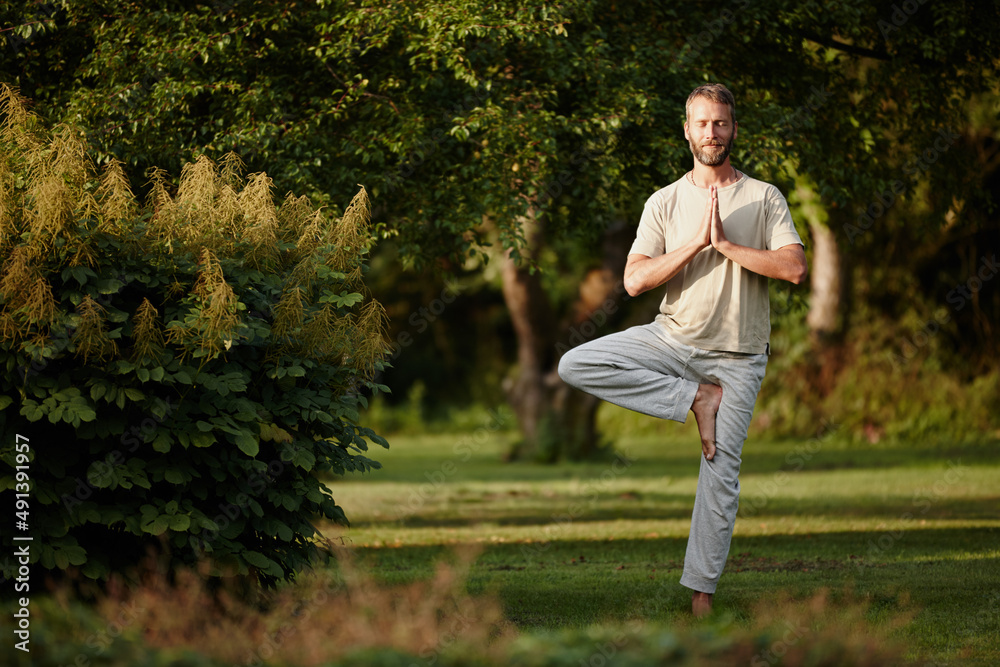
832,43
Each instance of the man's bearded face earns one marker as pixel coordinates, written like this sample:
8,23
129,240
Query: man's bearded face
713,153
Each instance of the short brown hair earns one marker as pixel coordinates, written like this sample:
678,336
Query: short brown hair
715,92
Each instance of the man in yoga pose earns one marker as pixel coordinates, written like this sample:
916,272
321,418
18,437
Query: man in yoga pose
713,238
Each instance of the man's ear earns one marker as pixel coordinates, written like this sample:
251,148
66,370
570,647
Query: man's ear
686,135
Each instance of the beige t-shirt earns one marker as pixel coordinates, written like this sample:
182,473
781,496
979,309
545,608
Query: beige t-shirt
713,303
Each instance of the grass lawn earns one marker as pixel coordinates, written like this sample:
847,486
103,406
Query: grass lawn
908,529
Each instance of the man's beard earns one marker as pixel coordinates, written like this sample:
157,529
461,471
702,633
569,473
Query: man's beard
712,158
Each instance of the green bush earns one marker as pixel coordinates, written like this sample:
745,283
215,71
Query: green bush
888,391
183,370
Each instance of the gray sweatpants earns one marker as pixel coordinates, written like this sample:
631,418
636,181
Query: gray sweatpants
645,370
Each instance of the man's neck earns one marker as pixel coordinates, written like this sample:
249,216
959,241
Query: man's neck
720,176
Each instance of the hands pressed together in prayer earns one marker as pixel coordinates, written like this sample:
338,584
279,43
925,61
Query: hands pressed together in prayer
711,233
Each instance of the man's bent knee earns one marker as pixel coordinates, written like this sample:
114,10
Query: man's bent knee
568,367
574,366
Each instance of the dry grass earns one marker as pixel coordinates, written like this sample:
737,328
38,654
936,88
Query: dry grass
329,614
321,617
819,631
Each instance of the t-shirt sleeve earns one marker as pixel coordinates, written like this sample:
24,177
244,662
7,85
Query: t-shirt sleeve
780,229
649,238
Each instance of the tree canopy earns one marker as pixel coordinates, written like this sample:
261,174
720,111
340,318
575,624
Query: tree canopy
451,110
546,125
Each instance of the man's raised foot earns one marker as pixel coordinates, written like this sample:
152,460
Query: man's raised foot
705,407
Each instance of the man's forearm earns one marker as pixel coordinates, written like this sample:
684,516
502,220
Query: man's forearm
785,263
644,273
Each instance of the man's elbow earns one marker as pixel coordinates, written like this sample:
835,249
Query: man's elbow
799,274
633,286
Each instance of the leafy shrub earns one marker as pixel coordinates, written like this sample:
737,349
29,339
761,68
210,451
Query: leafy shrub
889,391
184,369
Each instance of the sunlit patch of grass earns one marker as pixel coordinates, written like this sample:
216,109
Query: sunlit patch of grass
570,545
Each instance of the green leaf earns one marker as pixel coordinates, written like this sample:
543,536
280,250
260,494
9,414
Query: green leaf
102,476
256,559
180,522
274,433
256,508
94,569
79,273
31,410
247,444
76,554
334,512
202,439
236,382
162,441
88,513
226,424
109,285
55,415
156,526
342,300
304,459
84,413
176,476
284,532
274,569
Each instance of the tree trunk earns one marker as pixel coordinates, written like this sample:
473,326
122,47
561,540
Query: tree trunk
557,421
828,306
529,312
828,310
824,308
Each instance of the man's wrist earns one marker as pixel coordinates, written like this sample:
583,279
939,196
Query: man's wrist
724,246
694,246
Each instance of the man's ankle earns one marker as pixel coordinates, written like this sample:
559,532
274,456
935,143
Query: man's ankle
701,603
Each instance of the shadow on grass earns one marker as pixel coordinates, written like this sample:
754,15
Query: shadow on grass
679,459
859,554
556,509
577,582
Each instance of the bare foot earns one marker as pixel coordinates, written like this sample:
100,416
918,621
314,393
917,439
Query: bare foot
701,604
705,407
